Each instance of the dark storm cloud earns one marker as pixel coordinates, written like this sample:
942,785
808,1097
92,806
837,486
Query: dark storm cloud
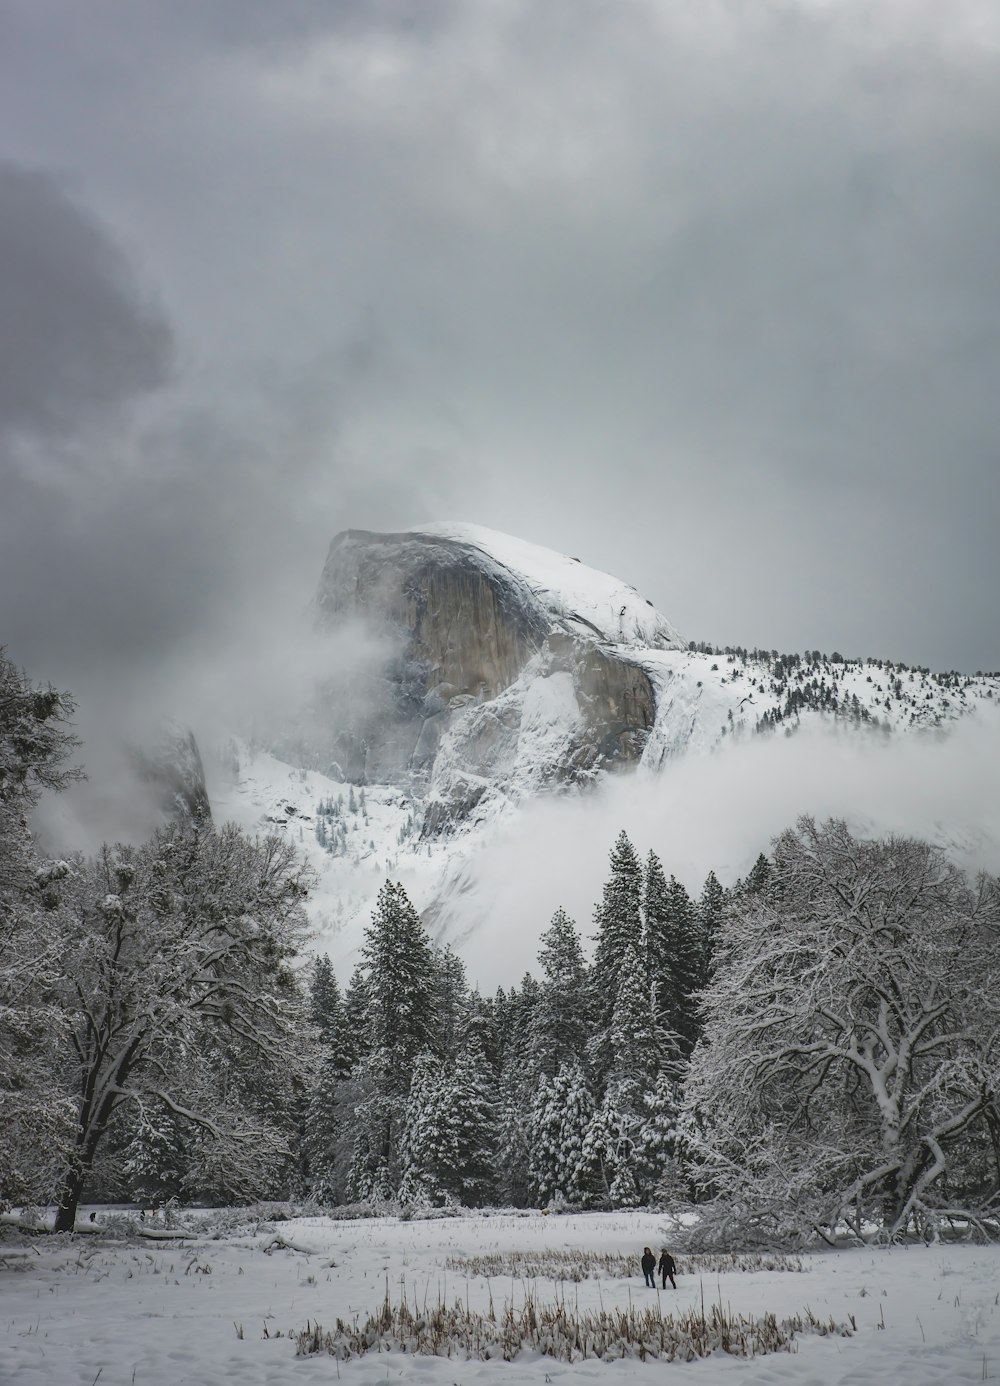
707,295
76,339
141,538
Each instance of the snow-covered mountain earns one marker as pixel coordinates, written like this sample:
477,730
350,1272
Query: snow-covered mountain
515,672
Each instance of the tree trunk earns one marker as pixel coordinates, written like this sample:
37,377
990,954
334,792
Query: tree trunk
69,1199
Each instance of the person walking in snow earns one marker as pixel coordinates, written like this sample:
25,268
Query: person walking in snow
648,1264
667,1267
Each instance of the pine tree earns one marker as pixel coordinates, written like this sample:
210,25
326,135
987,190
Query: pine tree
453,1001
325,1004
518,1076
476,1129
658,1167
402,984
513,1142
758,880
450,1132
154,1159
661,959
482,1027
354,1041
323,1129
619,925
688,962
634,1047
711,907
424,1141
320,1119
400,998
560,1024
611,1148
516,1024
376,1120
557,1129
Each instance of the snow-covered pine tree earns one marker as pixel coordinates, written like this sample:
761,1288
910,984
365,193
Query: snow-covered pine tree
376,1121
635,1045
688,950
635,1054
560,1115
711,907
448,1147
758,879
453,1005
619,925
401,1021
661,958
514,1061
402,984
325,1003
481,1028
658,1167
154,1160
513,1141
611,1148
354,1038
515,1025
474,1178
324,1128
560,1024
426,1144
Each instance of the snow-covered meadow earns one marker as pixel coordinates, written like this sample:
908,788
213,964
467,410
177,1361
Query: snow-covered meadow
226,1309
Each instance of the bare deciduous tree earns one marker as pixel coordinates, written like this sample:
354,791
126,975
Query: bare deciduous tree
850,1066
186,940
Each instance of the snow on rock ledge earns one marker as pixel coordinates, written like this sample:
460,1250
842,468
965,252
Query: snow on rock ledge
578,599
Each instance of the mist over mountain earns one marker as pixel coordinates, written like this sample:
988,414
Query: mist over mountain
511,708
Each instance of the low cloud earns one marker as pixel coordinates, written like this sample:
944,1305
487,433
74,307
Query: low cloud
718,812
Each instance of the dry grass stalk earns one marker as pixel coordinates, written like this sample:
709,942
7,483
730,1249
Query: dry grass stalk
600,1265
562,1332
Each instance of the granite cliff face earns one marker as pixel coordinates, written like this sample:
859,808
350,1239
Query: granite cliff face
508,676
171,767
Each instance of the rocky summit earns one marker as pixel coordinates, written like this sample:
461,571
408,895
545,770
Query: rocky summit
510,664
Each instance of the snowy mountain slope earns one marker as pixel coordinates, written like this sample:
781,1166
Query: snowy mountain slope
521,675
703,697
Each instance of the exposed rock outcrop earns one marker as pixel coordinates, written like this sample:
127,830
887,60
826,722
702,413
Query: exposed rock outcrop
498,684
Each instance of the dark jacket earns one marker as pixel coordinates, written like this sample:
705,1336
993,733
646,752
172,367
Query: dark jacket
648,1263
667,1266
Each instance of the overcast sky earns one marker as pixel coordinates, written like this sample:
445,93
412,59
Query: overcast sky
707,294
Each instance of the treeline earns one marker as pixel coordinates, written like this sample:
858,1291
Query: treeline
567,1087
814,1048
775,661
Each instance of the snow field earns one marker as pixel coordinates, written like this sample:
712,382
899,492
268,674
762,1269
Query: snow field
169,1315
